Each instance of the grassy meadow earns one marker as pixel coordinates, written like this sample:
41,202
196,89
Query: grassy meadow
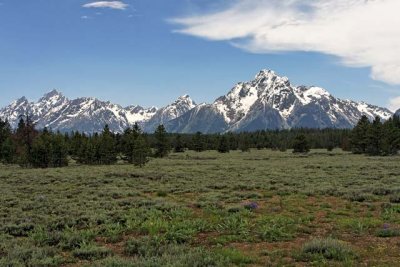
258,208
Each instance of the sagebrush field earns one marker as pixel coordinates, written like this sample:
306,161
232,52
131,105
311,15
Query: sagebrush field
258,208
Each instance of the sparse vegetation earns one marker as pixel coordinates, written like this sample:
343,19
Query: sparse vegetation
329,249
204,209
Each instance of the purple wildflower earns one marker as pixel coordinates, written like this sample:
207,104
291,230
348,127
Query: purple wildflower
251,206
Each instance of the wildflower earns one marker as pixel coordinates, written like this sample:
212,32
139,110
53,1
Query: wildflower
251,206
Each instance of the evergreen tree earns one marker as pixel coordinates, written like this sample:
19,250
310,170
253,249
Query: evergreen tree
330,147
24,137
244,144
162,145
300,144
179,146
198,142
375,137
128,145
8,151
87,152
59,149
135,148
76,142
223,146
6,145
391,136
359,140
5,131
232,141
106,149
41,152
141,151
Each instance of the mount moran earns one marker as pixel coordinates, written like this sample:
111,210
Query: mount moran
266,103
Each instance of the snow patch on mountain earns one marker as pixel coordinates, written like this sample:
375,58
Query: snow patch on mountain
269,101
86,114
162,116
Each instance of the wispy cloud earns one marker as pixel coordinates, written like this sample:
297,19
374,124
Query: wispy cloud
107,4
363,33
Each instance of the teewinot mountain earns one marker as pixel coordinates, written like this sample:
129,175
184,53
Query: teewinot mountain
267,102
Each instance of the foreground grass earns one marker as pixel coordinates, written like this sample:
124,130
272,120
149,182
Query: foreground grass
205,209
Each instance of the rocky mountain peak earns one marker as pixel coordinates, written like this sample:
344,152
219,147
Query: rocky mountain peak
268,78
184,100
19,101
52,96
184,97
267,102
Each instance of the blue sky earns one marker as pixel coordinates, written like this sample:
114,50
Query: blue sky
134,55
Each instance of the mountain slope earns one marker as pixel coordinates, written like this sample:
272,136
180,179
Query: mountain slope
267,102
203,118
182,105
272,102
88,115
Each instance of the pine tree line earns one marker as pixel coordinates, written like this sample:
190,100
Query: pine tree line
29,147
376,138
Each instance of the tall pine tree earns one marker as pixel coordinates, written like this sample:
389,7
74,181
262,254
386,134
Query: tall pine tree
300,144
375,136
199,144
141,151
179,147
359,140
162,145
223,146
106,149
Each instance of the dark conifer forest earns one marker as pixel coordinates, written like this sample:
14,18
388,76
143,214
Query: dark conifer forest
31,147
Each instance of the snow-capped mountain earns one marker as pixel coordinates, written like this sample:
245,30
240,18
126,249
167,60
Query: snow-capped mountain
84,114
267,102
397,113
182,105
272,102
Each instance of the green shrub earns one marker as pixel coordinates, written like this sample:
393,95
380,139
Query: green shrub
31,256
72,239
144,247
162,193
359,225
180,232
115,262
388,232
43,237
358,197
329,249
18,230
178,255
113,232
91,252
235,224
234,256
395,198
273,229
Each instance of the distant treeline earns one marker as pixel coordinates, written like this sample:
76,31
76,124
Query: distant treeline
30,147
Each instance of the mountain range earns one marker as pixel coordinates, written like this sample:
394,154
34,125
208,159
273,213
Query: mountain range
267,102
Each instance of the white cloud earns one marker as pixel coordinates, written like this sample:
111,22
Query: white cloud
394,104
85,17
363,33
107,4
